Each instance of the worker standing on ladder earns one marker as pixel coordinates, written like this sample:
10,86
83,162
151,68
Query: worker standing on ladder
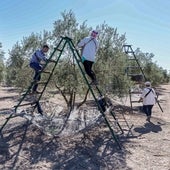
35,63
148,97
89,47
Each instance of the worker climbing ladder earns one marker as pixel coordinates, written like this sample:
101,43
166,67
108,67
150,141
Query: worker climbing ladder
35,103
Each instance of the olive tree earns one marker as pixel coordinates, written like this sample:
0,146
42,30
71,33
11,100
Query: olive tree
2,66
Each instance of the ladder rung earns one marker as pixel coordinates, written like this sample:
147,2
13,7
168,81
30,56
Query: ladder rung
135,92
126,45
59,49
129,52
135,75
38,82
133,67
52,61
134,101
25,104
25,93
131,59
47,72
31,93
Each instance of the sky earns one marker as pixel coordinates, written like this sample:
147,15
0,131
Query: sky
145,22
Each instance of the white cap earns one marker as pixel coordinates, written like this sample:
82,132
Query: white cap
148,83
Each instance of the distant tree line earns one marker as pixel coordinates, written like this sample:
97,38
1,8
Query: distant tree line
2,65
110,64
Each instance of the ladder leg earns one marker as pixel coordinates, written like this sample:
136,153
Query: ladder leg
117,122
77,56
112,132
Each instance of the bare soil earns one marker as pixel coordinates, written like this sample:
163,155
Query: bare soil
23,146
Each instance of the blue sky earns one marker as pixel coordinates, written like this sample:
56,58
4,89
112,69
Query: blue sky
146,23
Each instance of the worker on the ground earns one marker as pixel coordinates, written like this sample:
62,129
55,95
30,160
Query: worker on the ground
148,97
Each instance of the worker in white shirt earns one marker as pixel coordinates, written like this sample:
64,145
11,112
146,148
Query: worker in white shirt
89,47
148,97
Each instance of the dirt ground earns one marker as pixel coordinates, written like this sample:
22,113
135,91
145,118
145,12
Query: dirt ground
24,146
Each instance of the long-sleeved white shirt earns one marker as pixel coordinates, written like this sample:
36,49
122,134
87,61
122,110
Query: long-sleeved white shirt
90,48
150,98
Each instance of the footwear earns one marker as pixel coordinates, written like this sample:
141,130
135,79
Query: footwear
148,118
94,82
40,112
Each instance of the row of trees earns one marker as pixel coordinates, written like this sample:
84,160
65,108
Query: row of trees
2,66
110,65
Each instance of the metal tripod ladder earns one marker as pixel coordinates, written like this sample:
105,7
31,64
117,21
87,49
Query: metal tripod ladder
35,104
136,74
36,97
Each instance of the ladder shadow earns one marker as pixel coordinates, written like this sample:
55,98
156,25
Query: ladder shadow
88,150
47,149
4,149
13,134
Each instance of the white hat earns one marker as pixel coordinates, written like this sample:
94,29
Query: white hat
148,83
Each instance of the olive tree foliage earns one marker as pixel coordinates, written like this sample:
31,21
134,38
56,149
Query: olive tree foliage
111,61
68,26
109,67
14,64
68,78
156,74
2,66
152,71
166,75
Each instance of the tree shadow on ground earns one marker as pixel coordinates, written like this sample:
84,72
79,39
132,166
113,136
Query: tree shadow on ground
160,90
97,152
12,97
11,90
27,146
17,137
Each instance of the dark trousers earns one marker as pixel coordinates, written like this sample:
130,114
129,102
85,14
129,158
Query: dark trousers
88,68
37,68
147,109
39,109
